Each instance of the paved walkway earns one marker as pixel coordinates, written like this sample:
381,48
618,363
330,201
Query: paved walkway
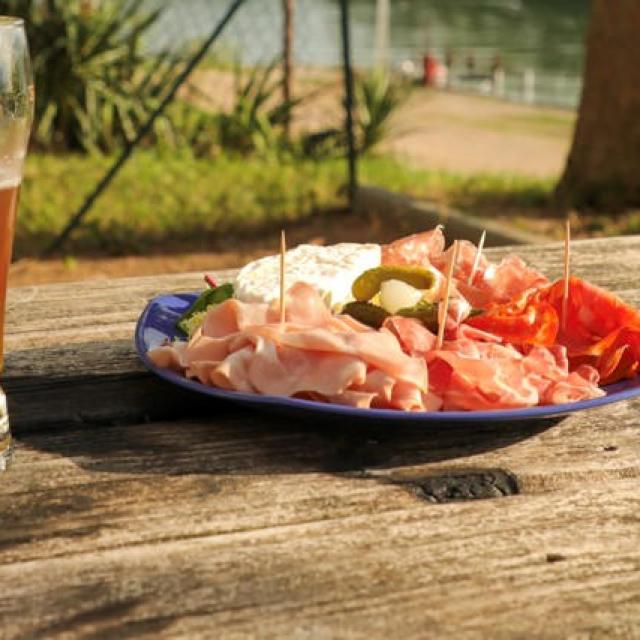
469,134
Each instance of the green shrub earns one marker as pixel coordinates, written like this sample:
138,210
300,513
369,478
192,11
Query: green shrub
255,122
377,98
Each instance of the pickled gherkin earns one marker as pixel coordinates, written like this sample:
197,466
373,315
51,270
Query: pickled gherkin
426,312
367,313
367,284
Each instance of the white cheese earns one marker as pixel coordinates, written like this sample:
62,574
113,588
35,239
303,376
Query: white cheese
331,270
396,295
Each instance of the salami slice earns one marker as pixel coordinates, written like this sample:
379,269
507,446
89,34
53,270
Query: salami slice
601,329
419,249
524,321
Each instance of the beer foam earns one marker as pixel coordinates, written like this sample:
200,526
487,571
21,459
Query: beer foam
7,182
11,169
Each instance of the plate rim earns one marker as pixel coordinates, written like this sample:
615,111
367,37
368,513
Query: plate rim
326,408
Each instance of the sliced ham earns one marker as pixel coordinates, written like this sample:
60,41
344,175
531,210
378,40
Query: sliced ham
233,316
497,284
466,257
476,384
476,371
278,370
491,284
378,349
244,347
414,337
511,278
504,381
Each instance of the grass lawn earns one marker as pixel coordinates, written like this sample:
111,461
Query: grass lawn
166,200
173,201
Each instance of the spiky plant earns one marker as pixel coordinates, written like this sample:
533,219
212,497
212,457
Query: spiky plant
377,98
94,82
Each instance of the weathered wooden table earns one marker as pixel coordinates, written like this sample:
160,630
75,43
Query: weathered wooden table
136,509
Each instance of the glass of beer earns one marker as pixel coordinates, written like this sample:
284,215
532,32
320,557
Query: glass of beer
16,114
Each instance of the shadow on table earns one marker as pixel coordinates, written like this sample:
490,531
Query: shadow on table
239,442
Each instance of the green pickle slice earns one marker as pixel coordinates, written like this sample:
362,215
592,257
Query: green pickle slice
208,298
367,284
367,313
374,316
426,312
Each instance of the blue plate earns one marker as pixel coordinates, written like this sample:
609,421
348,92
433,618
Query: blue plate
157,324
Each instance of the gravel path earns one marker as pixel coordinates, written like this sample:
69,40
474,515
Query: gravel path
470,134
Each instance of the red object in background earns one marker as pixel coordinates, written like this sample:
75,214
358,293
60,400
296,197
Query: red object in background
430,70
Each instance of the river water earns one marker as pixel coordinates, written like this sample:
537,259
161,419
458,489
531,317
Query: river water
541,40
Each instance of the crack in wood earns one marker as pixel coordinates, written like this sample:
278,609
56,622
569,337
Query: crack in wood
473,485
555,557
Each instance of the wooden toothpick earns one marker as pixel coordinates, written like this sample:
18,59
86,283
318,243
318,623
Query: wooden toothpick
476,262
443,307
567,265
283,249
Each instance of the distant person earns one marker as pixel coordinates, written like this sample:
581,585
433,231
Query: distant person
449,57
435,74
448,63
497,76
471,64
429,70
496,64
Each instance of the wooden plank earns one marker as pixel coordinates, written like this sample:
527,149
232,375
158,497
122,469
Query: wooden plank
97,383
96,310
553,565
601,442
593,441
103,488
246,525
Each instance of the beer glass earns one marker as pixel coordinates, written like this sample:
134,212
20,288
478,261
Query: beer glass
16,112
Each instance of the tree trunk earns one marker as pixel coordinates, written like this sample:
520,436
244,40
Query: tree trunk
603,168
287,60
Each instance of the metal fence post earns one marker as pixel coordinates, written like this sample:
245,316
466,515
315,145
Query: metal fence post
287,60
349,103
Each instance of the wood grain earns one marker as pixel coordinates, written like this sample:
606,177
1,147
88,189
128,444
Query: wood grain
374,561
134,511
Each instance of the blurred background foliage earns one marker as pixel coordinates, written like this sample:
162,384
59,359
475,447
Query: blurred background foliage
221,158
97,81
95,84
